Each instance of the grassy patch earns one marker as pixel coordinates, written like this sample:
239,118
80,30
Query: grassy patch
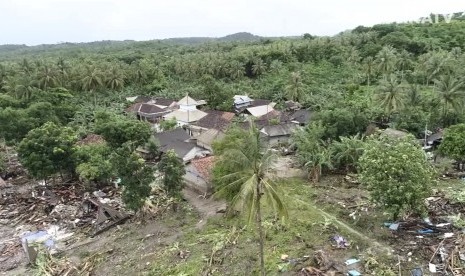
225,246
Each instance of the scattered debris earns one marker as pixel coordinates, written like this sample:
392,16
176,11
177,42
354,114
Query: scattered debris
353,273
417,272
341,242
351,261
311,271
392,226
107,216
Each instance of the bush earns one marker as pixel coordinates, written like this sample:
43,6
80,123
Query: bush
397,174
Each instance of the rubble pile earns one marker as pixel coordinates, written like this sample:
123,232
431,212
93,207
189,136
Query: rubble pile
34,217
440,237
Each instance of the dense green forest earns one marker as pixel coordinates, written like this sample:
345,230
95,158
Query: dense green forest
406,75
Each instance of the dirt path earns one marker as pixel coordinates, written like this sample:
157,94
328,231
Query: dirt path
207,207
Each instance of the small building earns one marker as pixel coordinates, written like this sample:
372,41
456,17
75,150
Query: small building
179,141
278,134
187,112
198,174
207,138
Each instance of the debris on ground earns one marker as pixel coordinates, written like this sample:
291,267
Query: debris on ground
51,217
341,242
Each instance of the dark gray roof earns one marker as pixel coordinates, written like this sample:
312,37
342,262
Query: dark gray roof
302,116
216,119
177,140
151,109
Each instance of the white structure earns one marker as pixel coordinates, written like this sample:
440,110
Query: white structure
187,112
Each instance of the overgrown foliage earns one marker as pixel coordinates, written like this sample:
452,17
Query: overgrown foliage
48,150
94,165
397,174
136,176
172,169
453,143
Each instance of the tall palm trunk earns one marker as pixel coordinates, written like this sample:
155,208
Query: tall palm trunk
260,230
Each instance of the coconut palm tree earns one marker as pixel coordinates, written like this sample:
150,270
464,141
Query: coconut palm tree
115,78
46,77
368,68
391,95
258,67
451,92
92,80
414,97
63,68
386,60
236,70
250,179
403,62
295,88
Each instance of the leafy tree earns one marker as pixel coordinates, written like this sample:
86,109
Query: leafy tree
453,142
212,92
169,124
118,130
397,174
136,176
152,147
48,150
94,163
173,171
241,176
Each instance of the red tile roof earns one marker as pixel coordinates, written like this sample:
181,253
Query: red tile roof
204,166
